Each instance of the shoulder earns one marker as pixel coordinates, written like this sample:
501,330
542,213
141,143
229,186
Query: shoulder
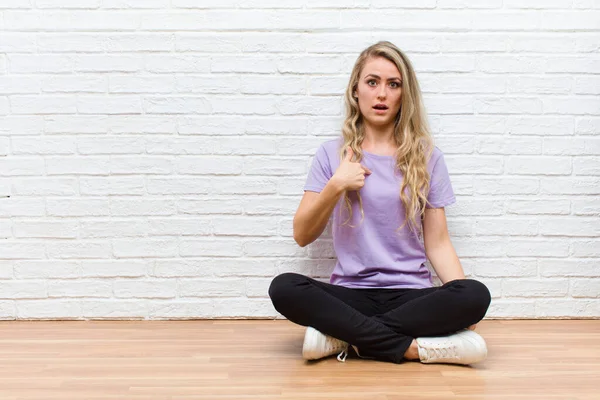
436,156
331,147
329,151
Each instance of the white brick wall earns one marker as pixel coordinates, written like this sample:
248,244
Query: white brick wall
153,152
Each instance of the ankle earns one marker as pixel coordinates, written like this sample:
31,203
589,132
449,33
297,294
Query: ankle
412,353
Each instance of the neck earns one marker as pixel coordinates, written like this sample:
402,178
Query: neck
379,139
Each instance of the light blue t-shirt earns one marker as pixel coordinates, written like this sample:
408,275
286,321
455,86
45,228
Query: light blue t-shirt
373,254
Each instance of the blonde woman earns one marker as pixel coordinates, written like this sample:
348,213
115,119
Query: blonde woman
386,186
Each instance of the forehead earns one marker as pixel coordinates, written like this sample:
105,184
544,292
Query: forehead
382,67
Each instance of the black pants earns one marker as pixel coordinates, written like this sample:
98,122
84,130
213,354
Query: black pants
381,323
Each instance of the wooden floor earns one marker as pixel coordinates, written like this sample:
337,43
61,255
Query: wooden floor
547,360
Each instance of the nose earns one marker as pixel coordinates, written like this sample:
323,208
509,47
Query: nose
382,92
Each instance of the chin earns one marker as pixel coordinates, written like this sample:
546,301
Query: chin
380,121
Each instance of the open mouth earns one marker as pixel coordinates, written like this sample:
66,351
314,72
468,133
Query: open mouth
380,107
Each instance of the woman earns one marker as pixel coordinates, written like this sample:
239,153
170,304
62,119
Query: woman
386,186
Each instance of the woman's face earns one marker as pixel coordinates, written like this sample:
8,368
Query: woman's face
379,91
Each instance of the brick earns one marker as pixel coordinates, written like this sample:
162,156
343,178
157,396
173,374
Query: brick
29,250
47,269
586,206
210,165
572,267
114,268
142,288
586,166
585,288
180,227
537,248
505,267
180,309
170,186
271,248
79,288
572,146
45,187
18,85
244,226
46,229
114,309
24,207
536,207
210,206
210,247
100,186
570,226
535,288
8,310
79,249
139,248
74,207
574,185
539,165
141,165
585,248
21,166
243,308
258,287
90,165
48,309
74,84
267,166
503,308
506,226
113,229
224,287
26,289
108,63
141,84
566,308
516,185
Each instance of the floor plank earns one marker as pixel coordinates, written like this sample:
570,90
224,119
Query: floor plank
231,359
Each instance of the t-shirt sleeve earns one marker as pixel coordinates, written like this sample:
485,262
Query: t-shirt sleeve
441,193
319,173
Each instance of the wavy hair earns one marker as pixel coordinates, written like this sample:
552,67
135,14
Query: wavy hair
411,134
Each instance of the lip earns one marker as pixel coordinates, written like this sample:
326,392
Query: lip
380,111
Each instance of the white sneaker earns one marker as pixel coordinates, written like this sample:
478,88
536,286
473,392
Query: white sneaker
318,345
464,347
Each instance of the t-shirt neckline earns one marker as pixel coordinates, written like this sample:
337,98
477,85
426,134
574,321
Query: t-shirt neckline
376,155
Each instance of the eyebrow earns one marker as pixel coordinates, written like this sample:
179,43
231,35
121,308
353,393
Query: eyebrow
378,77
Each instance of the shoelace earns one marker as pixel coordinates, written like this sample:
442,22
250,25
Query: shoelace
342,356
443,352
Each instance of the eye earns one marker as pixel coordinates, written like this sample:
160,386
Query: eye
395,84
371,80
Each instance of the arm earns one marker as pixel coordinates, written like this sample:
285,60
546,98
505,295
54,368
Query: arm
314,212
438,247
316,208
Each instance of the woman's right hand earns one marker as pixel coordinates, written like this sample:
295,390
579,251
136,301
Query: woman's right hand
351,174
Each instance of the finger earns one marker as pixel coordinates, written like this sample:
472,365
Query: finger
367,170
349,154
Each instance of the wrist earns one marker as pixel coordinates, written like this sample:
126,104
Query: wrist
337,184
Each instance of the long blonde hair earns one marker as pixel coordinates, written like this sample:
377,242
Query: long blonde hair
411,133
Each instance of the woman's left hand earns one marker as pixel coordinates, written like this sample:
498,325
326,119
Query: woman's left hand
472,327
